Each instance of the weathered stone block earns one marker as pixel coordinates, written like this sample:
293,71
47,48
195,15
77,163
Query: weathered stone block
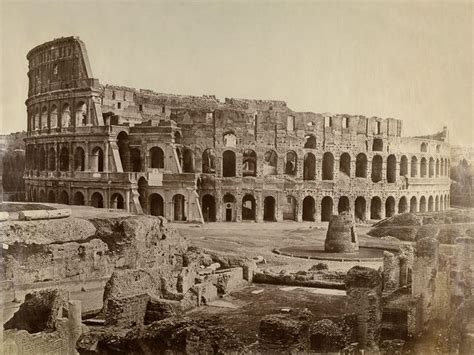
127,312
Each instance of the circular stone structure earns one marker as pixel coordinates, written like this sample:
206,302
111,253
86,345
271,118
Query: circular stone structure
341,236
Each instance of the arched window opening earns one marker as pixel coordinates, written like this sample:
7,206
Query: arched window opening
117,202
51,196
345,164
34,197
430,204
157,158
230,140
81,114
52,159
42,159
44,117
37,121
377,145
328,166
360,209
437,167
79,159
269,209
209,208
377,168
424,147
249,163
64,159
124,150
413,205
309,167
156,205
97,200
289,208
310,141
136,159
248,208
391,169
414,167
188,161
290,123
291,163
390,207
442,167
177,137
326,209
375,208
423,204
64,198
229,207
228,163
66,116
403,166
309,209
436,203
431,167
97,160
423,167
53,116
270,163
343,205
179,208
361,165
209,161
42,196
402,205
79,199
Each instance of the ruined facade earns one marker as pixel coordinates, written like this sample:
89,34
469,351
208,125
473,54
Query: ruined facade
197,158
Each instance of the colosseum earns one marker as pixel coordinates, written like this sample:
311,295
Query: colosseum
200,159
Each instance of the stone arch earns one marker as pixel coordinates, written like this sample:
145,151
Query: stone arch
402,205
177,137
423,167
289,209
42,159
179,208
309,209
64,159
209,208
230,140
44,117
391,169
431,170
157,158
360,207
309,167
436,204
79,159
156,204
437,167
229,207
66,115
377,168
97,200
270,163
423,147
422,204
117,201
64,198
228,163
345,164
430,204
124,150
326,208
51,196
81,114
136,159
291,163
142,192
390,206
414,166
343,205
328,166
97,159
361,165
377,145
249,163
269,209
52,159
310,141
53,116
413,205
248,208
375,208
208,161
79,199
403,165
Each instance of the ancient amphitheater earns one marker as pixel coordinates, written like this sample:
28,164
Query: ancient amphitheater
197,158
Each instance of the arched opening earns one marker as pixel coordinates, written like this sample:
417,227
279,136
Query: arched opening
179,208
177,137
436,203
66,116
79,159
44,118
326,209
97,200
97,159
208,163
117,202
291,163
136,159
423,167
269,209
270,163
377,168
441,203
42,196
437,167
377,145
53,116
442,167
209,208
52,159
157,158
37,122
430,204
248,208
142,191
310,141
424,147
230,140
431,167
309,167
345,164
390,207
403,166
228,163
124,150
308,209
188,161
328,166
375,208
79,199
360,208
51,196
249,163
402,205
343,205
64,159
42,159
34,196
423,204
229,206
289,209
413,205
156,205
64,198
361,165
81,114
414,166
391,169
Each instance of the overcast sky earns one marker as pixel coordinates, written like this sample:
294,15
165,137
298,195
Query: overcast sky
410,60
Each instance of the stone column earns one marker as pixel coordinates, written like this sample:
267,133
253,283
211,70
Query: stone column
106,156
74,325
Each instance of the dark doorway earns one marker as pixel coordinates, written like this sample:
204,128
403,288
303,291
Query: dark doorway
156,205
248,208
269,209
209,208
326,209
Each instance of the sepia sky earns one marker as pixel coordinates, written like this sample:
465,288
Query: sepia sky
410,60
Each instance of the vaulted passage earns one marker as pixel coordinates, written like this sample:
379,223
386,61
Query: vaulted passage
188,161
423,204
229,207
403,166
430,204
51,197
328,166
402,205
308,209
64,159
377,168
79,199
116,201
156,205
309,168
52,160
124,150
136,159
249,163
343,204
431,167
97,200
390,207
375,208
345,164
391,169
436,203
269,209
360,208
79,159
228,164
157,159
326,209
413,205
291,163
423,167
42,159
209,208
288,208
64,198
97,160
361,165
270,163
414,167
179,208
248,208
